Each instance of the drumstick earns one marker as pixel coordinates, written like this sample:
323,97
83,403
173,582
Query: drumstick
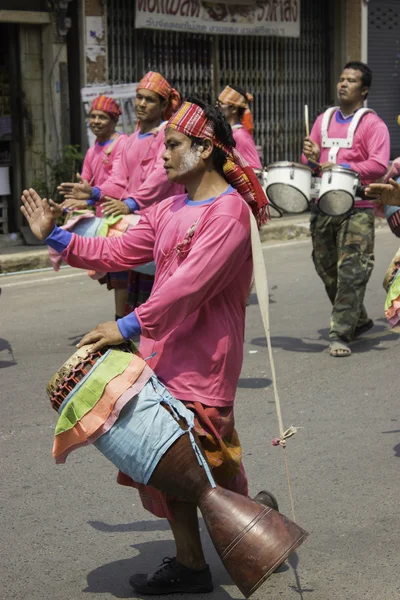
314,162
307,122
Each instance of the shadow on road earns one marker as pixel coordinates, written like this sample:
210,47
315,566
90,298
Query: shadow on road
370,341
5,345
293,560
113,578
253,299
396,448
156,525
76,338
290,344
254,383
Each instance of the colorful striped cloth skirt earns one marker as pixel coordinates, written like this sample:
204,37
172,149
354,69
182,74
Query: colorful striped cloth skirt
215,427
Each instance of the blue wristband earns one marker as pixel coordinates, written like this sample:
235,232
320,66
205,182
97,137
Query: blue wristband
95,197
58,239
129,326
131,204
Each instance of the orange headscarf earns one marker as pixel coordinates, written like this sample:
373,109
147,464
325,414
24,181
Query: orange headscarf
107,105
191,120
157,83
231,96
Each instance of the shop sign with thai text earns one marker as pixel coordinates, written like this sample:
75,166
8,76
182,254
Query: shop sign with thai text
270,17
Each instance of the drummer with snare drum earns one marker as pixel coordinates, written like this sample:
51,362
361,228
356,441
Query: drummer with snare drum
347,137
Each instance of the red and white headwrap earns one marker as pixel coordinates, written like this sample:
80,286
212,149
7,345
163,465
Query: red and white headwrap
231,96
157,83
191,120
107,105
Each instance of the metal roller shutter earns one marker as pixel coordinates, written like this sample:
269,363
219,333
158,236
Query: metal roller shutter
283,74
384,61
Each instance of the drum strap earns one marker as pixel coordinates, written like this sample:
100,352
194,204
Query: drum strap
336,143
261,281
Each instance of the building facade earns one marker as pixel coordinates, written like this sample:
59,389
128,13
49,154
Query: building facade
34,95
53,48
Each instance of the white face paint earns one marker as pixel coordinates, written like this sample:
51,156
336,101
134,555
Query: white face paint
190,160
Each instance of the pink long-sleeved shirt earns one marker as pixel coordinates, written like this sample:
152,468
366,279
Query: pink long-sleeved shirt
99,160
245,146
139,172
370,153
194,319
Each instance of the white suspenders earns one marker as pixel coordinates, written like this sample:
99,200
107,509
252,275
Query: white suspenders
336,143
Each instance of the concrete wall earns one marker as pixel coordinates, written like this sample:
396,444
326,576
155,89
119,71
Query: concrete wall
354,10
350,29
95,41
32,101
41,54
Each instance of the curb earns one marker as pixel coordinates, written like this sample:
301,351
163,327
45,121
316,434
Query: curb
274,230
24,261
277,229
290,229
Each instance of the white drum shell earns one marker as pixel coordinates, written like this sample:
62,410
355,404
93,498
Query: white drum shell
289,186
337,191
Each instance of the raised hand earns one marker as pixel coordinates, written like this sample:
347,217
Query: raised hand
114,207
384,193
76,191
105,334
39,213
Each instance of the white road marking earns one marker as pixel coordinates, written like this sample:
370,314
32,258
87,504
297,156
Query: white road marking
43,280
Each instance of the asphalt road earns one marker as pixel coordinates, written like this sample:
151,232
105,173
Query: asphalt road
70,533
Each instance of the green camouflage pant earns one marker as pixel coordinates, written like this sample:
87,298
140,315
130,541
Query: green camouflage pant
343,257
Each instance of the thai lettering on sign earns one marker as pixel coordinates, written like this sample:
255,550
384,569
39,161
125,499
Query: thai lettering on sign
264,17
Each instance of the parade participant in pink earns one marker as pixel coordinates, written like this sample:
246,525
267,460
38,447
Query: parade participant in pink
138,177
352,137
234,103
192,326
99,159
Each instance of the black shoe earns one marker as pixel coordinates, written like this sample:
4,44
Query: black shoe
173,578
363,328
267,499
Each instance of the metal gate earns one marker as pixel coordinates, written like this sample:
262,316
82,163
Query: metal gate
383,59
283,74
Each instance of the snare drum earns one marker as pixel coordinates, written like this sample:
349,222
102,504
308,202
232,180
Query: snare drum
338,191
289,186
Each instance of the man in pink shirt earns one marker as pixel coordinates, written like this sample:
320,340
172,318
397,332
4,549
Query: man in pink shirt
192,326
234,103
343,246
99,159
138,177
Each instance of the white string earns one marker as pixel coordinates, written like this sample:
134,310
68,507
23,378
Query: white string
261,281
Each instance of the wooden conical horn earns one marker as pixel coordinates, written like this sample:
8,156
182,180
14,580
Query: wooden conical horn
251,540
